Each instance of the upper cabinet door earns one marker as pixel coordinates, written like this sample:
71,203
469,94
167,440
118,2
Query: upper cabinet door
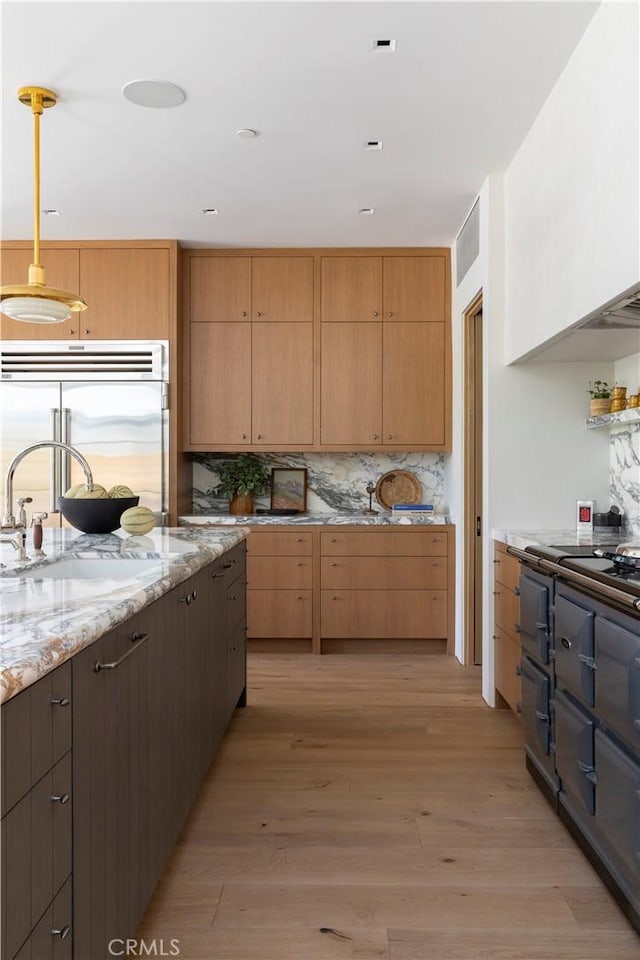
220,384
282,289
414,289
414,384
351,289
62,272
127,291
220,289
282,382
351,380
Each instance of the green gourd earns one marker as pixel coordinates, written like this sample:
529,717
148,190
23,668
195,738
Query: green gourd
138,520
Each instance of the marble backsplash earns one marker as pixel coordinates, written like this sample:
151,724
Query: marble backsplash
624,473
335,481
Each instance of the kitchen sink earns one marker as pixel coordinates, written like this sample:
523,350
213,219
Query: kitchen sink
98,568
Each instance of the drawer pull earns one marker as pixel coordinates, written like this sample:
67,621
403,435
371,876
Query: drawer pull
299,564
565,642
496,561
194,595
516,590
61,701
186,599
335,598
61,798
62,932
542,716
518,670
334,540
518,707
232,598
496,593
233,648
516,627
588,770
588,661
299,540
299,598
140,638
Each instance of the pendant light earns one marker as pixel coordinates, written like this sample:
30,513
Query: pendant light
34,301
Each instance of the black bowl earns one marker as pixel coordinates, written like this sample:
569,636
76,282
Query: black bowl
95,516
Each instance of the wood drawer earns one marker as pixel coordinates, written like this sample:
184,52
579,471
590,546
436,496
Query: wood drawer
288,543
507,659
507,610
279,573
36,732
506,568
279,613
389,614
384,573
383,543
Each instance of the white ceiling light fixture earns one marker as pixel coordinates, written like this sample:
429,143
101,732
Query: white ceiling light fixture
373,145
51,213
247,133
211,212
158,94
367,211
34,301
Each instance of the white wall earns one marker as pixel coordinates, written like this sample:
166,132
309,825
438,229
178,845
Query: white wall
572,192
538,457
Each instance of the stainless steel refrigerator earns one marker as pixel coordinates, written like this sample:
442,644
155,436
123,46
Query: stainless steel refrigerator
109,399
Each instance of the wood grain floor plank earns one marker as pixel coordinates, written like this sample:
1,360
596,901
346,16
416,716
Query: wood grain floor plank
379,799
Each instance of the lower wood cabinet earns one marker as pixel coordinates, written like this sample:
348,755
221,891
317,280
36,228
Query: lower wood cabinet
351,583
506,638
90,834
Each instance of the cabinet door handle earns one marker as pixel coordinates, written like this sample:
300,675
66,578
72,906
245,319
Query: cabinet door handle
565,642
375,313
258,436
60,798
390,313
61,701
244,313
334,540
186,599
334,564
62,932
516,590
72,333
375,436
232,598
244,436
299,598
389,436
496,561
258,314
138,638
335,598
299,564
87,332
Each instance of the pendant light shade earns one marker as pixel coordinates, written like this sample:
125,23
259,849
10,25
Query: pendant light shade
34,301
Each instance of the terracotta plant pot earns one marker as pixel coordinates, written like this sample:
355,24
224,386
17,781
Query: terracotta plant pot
241,503
599,406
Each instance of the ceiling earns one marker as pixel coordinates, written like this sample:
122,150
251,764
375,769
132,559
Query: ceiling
451,105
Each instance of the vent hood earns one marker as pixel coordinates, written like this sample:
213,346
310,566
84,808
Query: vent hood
609,333
623,314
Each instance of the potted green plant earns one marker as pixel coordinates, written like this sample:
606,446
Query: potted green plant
600,393
239,479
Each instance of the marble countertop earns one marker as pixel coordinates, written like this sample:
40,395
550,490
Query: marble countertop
601,536
44,622
382,518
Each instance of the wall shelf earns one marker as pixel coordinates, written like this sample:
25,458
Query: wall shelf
614,419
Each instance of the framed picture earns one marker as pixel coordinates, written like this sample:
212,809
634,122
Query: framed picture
288,488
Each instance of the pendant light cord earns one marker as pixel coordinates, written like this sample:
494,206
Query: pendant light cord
36,106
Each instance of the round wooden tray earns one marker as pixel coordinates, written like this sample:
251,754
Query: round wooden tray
398,486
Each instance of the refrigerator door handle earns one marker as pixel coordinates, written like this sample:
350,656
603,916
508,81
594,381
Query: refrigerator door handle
65,421
54,461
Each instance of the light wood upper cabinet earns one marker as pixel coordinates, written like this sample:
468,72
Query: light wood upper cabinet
351,289
220,289
282,289
282,384
414,289
413,383
220,384
128,293
62,267
351,379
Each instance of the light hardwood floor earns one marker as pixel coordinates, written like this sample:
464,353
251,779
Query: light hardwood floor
367,807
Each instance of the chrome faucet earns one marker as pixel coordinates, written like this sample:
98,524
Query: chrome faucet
19,544
8,519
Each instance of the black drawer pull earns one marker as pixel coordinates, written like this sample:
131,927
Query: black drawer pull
194,595
565,642
62,932
61,798
61,701
139,638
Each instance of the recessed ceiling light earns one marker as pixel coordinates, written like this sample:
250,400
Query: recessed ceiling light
367,211
384,45
51,213
373,145
210,212
246,133
153,93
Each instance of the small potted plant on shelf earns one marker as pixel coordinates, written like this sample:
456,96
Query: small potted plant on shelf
239,479
600,393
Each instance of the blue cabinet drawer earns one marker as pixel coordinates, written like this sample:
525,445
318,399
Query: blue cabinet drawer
574,753
617,699
534,617
618,808
575,664
536,718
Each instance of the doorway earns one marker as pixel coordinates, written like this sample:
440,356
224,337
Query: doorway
473,519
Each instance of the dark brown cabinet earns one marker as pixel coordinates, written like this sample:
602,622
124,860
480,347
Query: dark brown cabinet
112,777
151,705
